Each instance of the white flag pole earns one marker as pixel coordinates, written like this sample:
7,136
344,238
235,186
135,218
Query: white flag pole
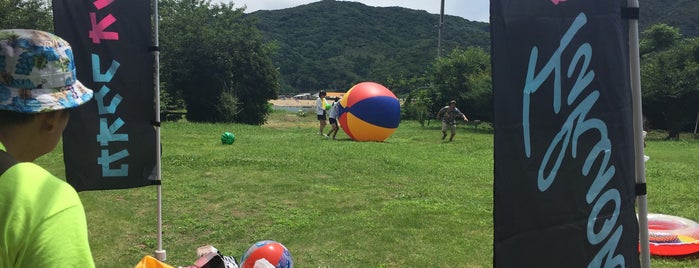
635,68
160,253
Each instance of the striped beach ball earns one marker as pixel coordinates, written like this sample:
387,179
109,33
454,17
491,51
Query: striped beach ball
369,112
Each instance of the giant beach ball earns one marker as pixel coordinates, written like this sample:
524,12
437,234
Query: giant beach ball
369,112
274,252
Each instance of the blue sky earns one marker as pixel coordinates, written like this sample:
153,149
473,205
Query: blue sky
475,10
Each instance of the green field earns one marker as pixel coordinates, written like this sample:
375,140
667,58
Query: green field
411,201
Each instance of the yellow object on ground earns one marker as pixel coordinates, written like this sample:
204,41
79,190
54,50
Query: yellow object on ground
150,262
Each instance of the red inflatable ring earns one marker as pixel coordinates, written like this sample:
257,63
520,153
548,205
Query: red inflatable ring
672,236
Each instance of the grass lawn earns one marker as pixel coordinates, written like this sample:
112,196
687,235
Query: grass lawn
411,201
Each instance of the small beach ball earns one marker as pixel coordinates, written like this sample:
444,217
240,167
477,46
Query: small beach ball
274,252
369,112
227,138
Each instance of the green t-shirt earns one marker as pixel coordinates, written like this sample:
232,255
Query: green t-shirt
42,220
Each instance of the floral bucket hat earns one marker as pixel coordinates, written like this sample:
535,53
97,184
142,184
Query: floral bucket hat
37,73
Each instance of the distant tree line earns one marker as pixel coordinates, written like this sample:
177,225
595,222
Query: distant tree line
26,14
215,62
669,79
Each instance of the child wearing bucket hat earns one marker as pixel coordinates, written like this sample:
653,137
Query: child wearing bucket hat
42,220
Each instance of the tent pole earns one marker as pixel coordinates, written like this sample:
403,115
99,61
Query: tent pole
641,200
160,253
696,124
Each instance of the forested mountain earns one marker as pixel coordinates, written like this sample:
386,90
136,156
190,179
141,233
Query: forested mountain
335,44
682,14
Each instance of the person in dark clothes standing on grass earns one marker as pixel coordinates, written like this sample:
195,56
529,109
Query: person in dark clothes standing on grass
448,115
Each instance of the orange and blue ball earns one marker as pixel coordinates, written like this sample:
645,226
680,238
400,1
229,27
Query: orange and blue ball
369,112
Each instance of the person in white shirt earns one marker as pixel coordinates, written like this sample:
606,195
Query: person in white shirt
321,109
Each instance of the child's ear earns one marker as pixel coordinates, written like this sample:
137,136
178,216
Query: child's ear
53,121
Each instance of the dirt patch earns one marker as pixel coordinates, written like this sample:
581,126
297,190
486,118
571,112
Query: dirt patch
293,103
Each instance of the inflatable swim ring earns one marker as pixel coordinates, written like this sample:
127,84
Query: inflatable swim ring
672,236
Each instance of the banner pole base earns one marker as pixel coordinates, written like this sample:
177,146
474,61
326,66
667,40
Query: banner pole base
161,255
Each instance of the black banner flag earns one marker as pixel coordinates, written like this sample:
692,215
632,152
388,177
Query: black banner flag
110,142
564,157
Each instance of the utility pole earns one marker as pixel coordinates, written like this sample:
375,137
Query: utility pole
441,26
